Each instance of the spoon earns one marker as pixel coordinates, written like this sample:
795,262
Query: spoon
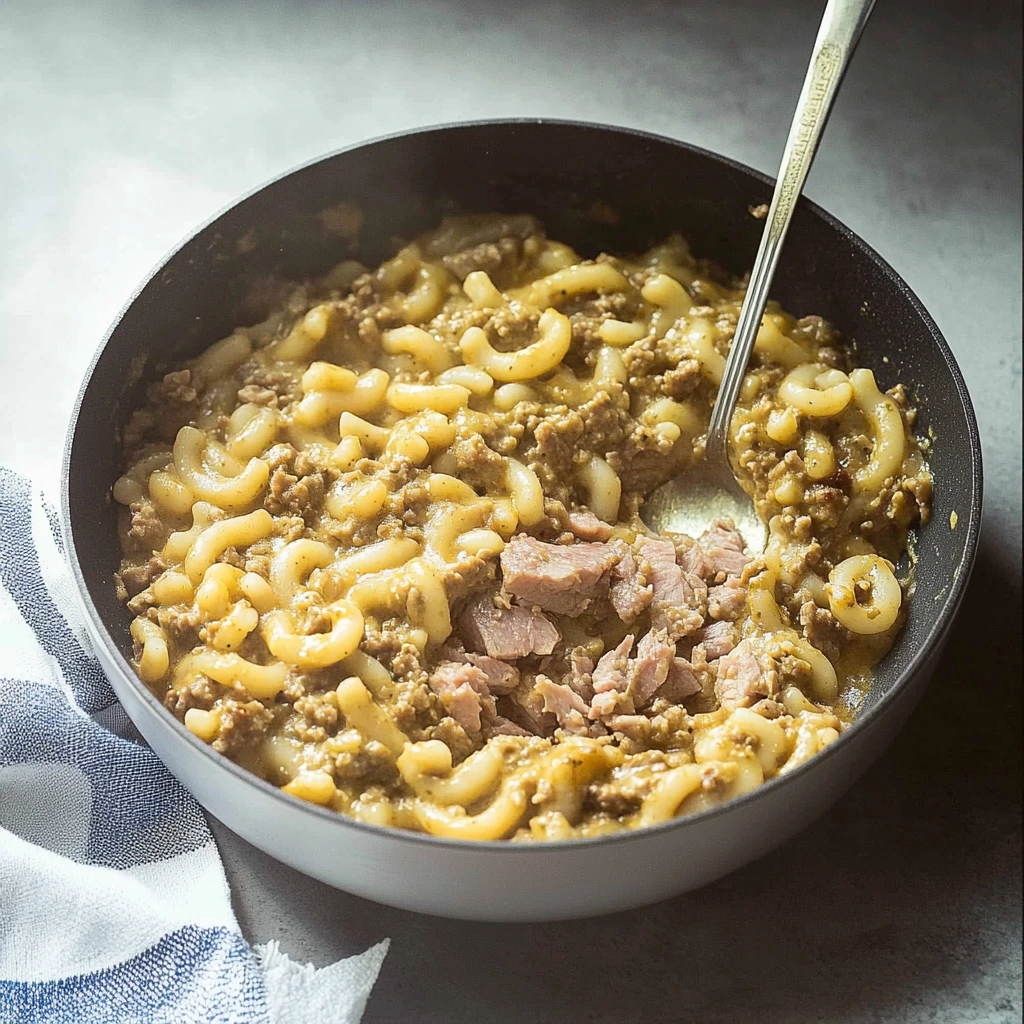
709,489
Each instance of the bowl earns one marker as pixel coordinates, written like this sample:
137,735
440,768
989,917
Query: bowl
596,187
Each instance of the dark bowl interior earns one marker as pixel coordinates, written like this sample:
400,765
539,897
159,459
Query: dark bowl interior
558,171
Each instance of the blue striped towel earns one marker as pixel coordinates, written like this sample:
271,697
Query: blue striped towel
113,902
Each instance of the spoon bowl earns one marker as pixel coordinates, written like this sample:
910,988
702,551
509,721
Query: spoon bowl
705,493
709,490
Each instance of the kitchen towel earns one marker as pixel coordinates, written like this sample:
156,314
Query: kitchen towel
113,901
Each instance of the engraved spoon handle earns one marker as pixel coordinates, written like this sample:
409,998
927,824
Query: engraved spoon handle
841,26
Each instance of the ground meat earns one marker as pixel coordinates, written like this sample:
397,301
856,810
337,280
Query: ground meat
621,797
201,693
136,579
818,331
478,465
463,577
256,395
181,624
284,384
371,766
291,492
496,259
822,630
387,646
171,403
552,457
148,530
320,716
667,730
240,723
679,383
232,556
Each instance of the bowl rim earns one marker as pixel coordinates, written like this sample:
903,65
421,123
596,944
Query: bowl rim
934,638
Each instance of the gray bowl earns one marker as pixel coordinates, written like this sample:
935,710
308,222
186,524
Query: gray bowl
558,171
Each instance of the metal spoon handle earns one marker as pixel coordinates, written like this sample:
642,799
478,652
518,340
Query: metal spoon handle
840,30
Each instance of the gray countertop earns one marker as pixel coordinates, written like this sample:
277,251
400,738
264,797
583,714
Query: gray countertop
123,125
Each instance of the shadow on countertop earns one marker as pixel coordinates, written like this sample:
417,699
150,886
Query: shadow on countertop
872,913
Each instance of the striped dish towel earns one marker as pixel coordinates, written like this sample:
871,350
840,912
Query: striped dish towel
113,900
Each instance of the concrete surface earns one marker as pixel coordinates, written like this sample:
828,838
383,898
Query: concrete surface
123,125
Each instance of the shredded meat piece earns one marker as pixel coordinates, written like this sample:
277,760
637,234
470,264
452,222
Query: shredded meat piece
654,655
745,675
501,677
610,673
560,578
682,682
463,691
723,549
525,707
505,633
727,600
611,681
676,604
629,591
580,674
586,526
564,703
695,594
716,556
717,638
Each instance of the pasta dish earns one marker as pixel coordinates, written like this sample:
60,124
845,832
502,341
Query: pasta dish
383,548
